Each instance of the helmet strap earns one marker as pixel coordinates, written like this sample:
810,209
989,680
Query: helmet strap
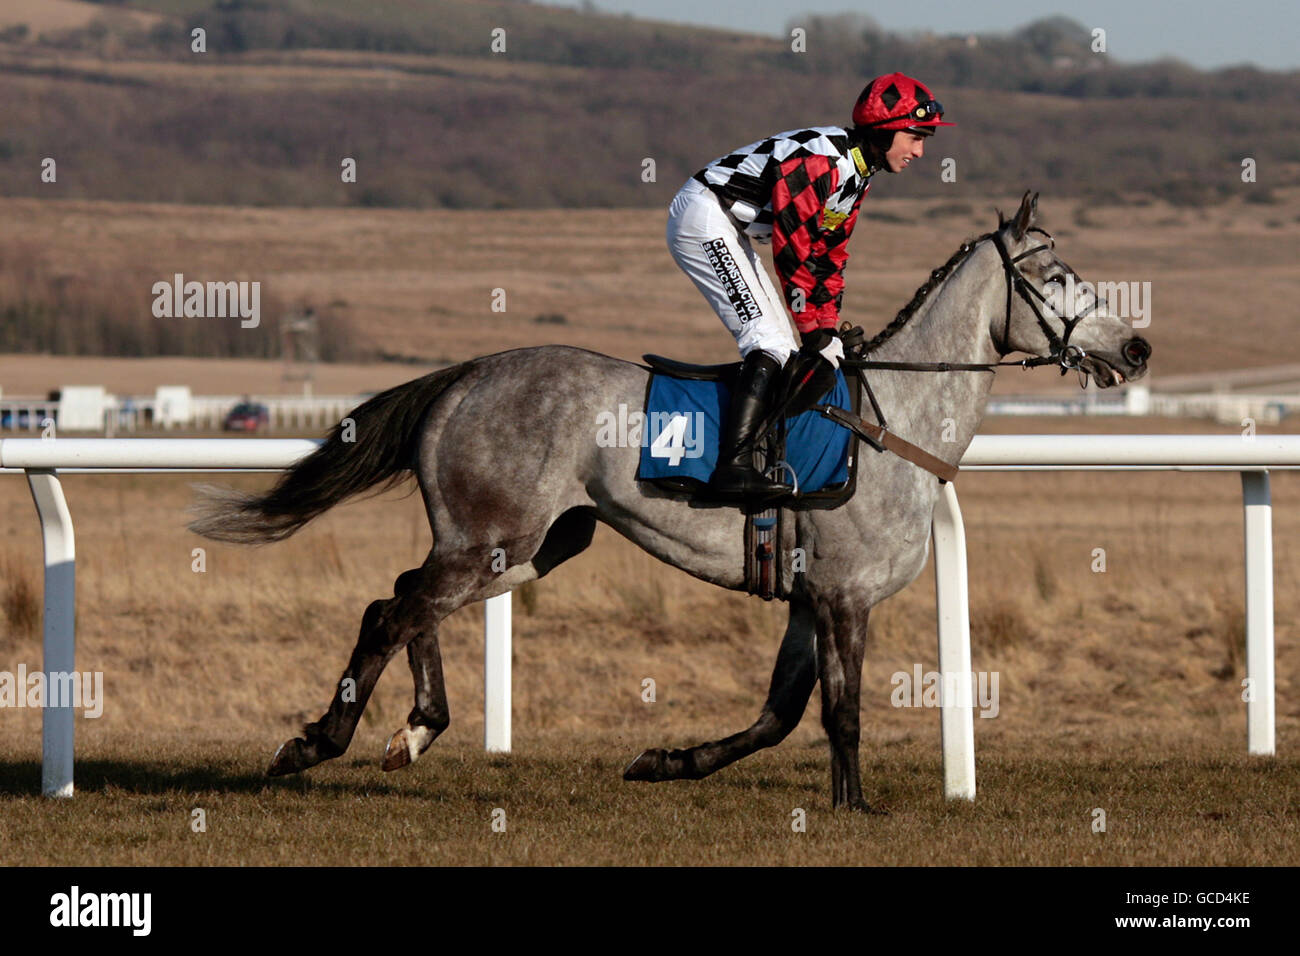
874,144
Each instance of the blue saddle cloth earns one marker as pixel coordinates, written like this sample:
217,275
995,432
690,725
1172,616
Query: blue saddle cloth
683,425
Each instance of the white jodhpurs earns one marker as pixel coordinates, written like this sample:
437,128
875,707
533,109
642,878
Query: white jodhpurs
724,266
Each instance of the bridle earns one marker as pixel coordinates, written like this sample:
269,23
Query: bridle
1069,356
1062,353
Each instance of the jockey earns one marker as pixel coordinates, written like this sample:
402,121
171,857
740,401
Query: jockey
799,190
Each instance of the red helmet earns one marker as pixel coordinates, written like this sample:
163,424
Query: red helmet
895,101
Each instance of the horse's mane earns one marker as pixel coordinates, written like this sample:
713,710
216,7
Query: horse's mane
936,277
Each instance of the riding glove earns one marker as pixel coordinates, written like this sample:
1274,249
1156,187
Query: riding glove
826,343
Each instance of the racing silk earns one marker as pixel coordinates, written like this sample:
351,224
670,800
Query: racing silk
800,190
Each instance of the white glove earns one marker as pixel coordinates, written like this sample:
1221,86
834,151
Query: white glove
833,351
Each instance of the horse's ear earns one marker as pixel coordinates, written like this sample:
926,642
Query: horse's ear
1001,222
1025,214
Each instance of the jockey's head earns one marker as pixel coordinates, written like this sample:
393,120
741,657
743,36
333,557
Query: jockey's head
893,117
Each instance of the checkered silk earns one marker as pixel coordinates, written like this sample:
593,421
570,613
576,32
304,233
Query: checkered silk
800,190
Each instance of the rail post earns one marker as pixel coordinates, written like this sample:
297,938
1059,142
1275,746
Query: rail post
1258,507
496,673
956,712
58,623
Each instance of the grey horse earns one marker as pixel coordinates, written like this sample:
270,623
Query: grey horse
504,449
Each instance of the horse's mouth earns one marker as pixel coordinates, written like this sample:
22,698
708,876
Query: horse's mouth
1107,374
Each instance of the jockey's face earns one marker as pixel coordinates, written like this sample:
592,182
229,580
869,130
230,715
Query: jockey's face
905,148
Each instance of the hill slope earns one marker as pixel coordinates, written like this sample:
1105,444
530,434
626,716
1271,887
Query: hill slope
570,111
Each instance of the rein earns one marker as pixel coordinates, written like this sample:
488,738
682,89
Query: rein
1064,354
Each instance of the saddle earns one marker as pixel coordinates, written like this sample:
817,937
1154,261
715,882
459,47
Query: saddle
773,442
725,373
765,527
768,564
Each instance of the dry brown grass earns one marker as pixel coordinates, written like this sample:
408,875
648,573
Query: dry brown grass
564,804
1118,689
20,599
420,283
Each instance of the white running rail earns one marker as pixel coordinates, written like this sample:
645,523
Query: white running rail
43,459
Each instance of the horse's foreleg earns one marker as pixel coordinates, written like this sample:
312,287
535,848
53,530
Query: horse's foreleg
841,644
787,697
385,628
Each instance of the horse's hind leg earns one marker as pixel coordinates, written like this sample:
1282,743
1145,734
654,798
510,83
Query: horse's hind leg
422,598
787,697
569,535
430,716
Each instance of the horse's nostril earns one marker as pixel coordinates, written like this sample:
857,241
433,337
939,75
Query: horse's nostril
1136,351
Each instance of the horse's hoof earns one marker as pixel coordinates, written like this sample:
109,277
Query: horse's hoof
398,753
648,766
288,759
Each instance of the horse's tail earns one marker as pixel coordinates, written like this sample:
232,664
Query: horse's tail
381,445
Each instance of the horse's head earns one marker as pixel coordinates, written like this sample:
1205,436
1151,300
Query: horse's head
1053,314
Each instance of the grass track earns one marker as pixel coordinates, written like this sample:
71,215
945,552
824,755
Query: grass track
564,803
1119,691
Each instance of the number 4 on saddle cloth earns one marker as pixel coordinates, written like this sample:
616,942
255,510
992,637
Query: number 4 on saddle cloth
682,427
684,410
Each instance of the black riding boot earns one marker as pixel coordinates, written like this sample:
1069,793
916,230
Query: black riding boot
736,475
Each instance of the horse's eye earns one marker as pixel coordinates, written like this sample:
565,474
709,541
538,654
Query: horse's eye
1058,279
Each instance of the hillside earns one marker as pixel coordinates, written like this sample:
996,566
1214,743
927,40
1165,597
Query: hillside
568,114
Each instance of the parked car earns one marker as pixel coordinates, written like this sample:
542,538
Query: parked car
247,417
23,418
11,419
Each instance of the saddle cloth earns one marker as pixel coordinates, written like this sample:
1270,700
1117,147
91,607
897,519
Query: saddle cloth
683,424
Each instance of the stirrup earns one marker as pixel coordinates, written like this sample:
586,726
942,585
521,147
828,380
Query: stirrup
746,477
784,466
